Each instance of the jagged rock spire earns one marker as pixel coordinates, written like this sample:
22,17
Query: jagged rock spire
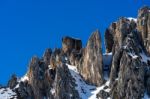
92,68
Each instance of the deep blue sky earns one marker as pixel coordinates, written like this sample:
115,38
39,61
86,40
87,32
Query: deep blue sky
28,27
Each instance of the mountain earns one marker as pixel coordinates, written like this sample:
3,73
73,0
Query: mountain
77,72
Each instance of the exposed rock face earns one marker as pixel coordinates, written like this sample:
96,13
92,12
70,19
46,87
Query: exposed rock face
24,91
92,68
120,31
115,65
12,82
36,77
117,32
65,85
69,44
47,56
75,57
144,26
54,60
128,66
109,37
130,69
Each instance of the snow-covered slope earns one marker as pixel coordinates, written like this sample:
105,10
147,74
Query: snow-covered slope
7,93
86,91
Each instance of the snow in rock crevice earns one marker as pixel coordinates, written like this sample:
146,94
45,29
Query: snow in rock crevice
144,57
131,18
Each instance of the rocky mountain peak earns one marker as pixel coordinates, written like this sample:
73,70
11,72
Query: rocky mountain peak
77,72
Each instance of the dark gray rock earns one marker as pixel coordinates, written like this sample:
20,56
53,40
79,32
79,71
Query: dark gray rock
102,95
24,91
147,80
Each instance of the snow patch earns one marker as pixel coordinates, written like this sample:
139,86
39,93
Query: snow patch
146,96
131,18
52,91
133,56
24,78
98,89
50,67
145,58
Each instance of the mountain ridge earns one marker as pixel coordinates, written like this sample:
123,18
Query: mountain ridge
77,72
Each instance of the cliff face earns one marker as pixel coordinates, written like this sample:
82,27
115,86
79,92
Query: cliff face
92,67
75,72
143,23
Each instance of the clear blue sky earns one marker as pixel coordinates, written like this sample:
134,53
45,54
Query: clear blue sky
28,27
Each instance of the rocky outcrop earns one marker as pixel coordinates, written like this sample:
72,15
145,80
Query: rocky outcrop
47,56
143,24
117,32
12,82
24,91
120,30
53,82
75,57
130,69
92,68
68,44
65,85
36,76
